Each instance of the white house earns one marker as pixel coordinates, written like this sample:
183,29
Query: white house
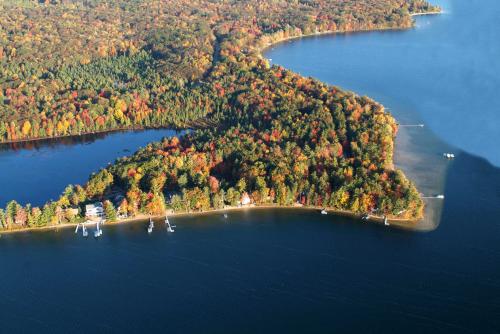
245,199
94,210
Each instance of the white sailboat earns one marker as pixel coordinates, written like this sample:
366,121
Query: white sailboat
323,212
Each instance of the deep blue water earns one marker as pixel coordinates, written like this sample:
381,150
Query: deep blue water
289,271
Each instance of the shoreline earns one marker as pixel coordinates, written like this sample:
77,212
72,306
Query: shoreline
426,13
404,224
262,49
89,134
421,224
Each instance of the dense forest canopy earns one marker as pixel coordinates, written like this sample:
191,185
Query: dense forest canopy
79,66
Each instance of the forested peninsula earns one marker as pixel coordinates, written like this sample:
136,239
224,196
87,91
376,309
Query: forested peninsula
259,132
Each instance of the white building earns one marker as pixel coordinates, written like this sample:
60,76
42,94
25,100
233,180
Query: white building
245,199
94,210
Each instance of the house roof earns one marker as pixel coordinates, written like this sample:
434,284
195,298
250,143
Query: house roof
96,205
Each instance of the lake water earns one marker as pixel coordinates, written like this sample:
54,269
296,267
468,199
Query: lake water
294,271
34,172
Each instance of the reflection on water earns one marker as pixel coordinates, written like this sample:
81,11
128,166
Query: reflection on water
55,142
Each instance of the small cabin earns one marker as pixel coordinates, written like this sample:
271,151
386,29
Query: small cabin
94,210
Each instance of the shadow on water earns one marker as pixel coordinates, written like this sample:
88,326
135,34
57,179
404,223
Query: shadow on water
473,198
55,142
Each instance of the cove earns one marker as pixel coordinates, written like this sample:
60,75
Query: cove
33,172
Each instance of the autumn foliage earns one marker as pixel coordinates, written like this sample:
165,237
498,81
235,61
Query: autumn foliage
74,67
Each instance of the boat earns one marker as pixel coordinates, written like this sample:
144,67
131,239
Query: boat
440,196
77,227
85,233
225,215
386,222
169,226
323,212
365,217
449,156
151,225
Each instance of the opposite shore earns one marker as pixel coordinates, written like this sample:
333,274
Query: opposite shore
426,13
332,32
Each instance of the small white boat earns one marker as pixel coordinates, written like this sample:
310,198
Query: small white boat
225,215
85,233
169,226
365,217
151,225
323,212
386,222
449,156
77,227
440,196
